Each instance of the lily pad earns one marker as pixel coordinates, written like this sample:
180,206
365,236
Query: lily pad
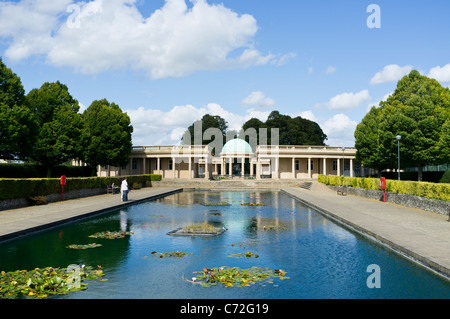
82,247
174,254
199,229
244,255
253,204
236,277
41,283
111,235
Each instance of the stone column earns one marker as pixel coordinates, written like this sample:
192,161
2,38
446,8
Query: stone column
351,167
277,167
324,166
173,167
190,166
293,167
309,167
338,167
258,169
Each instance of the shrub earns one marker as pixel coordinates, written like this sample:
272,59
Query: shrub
29,187
440,191
445,178
27,170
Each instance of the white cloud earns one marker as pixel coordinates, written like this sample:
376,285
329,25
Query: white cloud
29,24
258,99
171,125
97,36
309,115
441,74
390,73
350,100
340,130
331,70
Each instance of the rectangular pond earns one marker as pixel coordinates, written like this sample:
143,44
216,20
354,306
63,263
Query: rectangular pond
320,258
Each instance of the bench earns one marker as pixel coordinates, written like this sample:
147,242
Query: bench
342,190
112,189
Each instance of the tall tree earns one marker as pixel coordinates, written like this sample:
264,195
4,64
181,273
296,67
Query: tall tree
60,125
18,127
207,121
367,142
417,111
107,134
292,131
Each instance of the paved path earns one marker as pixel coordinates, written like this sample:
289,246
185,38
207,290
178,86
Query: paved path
420,235
21,221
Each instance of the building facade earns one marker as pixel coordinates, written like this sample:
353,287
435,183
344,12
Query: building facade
238,159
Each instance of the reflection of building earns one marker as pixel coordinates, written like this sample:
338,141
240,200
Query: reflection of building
239,159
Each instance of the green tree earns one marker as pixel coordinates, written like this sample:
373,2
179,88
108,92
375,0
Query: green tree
292,131
207,121
107,135
60,125
18,127
417,111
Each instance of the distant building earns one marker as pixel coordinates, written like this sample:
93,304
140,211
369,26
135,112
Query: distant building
237,158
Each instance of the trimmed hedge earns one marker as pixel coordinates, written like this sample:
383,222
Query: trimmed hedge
445,178
440,191
10,170
27,187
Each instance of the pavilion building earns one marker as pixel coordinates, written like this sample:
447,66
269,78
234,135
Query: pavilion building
238,159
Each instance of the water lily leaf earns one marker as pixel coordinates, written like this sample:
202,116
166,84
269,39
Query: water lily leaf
236,277
40,283
174,254
111,235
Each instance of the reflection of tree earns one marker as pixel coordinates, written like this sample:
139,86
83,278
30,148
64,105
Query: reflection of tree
47,249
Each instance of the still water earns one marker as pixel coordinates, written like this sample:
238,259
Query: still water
322,259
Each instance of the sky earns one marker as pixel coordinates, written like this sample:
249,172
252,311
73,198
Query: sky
168,63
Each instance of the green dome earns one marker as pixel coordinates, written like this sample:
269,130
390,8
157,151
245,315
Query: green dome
237,146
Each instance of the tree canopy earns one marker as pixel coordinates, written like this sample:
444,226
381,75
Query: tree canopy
107,134
18,127
207,122
418,111
45,126
292,131
60,125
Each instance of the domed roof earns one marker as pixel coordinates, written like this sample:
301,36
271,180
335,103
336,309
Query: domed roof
237,146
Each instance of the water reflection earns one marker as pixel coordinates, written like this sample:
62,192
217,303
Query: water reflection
322,259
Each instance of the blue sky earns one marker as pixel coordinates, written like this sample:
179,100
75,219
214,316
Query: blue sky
167,63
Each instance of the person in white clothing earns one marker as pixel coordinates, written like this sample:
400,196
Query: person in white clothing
124,190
